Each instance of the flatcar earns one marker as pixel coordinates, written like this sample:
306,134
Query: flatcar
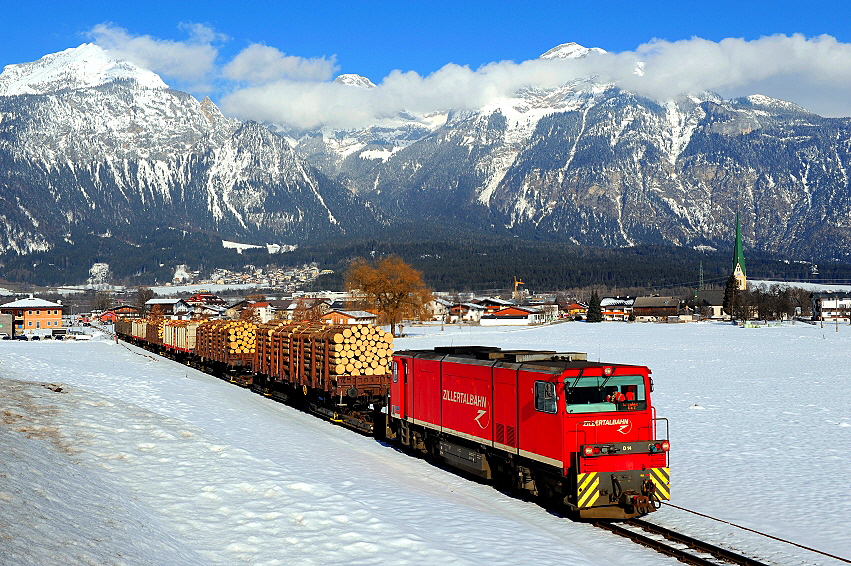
579,433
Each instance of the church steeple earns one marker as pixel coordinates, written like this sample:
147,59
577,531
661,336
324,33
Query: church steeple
739,258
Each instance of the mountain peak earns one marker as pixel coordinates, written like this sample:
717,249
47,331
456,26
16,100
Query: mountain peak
354,80
570,50
78,67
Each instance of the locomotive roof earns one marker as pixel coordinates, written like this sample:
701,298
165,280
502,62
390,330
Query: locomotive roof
544,359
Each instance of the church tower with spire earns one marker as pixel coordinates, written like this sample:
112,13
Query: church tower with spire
739,259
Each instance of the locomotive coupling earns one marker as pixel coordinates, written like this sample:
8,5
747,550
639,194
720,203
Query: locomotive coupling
641,504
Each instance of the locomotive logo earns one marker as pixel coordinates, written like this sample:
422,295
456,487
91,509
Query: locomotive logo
479,401
624,425
482,412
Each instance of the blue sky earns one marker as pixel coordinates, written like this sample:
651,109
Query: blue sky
375,38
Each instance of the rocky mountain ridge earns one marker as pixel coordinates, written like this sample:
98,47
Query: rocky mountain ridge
96,148
590,163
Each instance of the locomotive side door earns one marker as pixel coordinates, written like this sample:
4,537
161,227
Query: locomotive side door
505,407
541,420
398,387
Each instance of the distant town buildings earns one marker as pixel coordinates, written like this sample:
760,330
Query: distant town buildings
832,307
33,316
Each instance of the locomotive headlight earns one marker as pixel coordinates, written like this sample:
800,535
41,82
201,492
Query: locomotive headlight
666,445
589,451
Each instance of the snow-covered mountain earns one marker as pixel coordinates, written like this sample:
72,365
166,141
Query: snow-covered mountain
590,163
79,67
91,145
96,145
354,80
570,50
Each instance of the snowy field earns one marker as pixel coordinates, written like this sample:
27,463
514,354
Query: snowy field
132,459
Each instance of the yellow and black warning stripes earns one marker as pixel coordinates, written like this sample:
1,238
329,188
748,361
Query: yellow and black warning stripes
662,479
587,489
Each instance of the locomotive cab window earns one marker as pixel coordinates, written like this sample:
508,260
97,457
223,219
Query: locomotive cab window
545,397
603,394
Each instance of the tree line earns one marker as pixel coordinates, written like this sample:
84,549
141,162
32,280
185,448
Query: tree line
762,302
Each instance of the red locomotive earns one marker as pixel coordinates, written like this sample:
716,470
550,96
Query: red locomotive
569,430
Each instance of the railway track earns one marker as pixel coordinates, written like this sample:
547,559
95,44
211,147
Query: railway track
682,547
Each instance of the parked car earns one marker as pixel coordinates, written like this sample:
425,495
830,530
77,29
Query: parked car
4,336
20,337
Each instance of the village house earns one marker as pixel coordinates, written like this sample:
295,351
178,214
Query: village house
171,308
205,299
265,311
439,308
349,317
284,308
513,316
33,316
655,308
466,312
709,304
492,304
616,308
120,311
549,308
574,310
832,307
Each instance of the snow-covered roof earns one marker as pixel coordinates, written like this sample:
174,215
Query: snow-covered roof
493,301
656,302
164,301
31,303
210,308
356,314
616,301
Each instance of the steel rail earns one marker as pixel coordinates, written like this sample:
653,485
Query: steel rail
847,561
689,555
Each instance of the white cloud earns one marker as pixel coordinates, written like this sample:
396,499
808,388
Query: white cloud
260,64
791,67
269,85
814,73
190,60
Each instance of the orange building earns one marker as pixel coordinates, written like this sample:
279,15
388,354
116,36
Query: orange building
33,316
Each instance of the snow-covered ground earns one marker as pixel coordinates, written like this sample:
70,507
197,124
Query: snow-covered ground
132,459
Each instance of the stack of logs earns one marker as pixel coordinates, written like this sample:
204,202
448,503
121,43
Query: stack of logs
154,330
361,349
300,349
222,340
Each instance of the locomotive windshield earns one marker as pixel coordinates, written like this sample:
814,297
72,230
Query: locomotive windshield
603,394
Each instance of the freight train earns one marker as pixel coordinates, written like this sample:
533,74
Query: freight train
580,434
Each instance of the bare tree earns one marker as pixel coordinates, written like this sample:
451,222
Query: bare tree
250,314
390,286
102,301
143,295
